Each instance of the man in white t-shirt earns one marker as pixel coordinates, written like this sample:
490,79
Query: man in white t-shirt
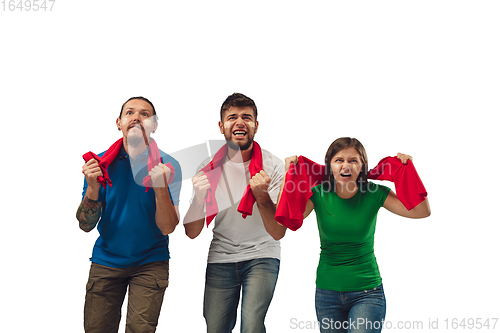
244,255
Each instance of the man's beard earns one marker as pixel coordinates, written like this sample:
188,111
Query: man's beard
235,146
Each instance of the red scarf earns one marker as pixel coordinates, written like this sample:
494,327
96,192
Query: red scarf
306,174
300,178
213,171
154,158
409,186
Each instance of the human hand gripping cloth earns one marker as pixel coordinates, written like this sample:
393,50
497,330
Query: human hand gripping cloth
154,158
409,187
299,180
306,174
213,171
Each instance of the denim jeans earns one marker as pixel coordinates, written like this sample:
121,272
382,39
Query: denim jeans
255,278
353,311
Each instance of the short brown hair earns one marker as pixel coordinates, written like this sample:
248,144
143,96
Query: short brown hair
142,99
237,100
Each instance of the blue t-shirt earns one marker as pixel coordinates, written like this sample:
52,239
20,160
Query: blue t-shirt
128,234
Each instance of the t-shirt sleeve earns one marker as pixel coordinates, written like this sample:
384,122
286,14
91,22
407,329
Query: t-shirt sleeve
381,191
316,194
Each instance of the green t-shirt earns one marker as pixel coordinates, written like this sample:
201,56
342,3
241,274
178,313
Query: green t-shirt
346,230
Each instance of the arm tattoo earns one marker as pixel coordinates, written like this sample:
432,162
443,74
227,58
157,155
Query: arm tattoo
88,214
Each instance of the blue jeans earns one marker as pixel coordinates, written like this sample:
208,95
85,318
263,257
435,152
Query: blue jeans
353,311
257,280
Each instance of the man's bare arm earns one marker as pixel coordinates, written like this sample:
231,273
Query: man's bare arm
195,216
88,213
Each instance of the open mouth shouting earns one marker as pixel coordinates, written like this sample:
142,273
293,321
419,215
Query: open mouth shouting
346,176
239,134
240,139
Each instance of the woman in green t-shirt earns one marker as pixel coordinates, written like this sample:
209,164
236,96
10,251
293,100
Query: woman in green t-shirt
349,292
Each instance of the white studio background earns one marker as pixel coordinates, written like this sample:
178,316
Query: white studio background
419,77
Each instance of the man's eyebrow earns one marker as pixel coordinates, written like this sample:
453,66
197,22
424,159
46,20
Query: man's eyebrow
236,114
132,108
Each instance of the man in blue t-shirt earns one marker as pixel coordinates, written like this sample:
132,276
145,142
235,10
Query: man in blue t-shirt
132,248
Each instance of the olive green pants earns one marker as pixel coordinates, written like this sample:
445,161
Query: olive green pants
106,289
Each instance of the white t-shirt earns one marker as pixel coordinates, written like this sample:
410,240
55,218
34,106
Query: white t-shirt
235,238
